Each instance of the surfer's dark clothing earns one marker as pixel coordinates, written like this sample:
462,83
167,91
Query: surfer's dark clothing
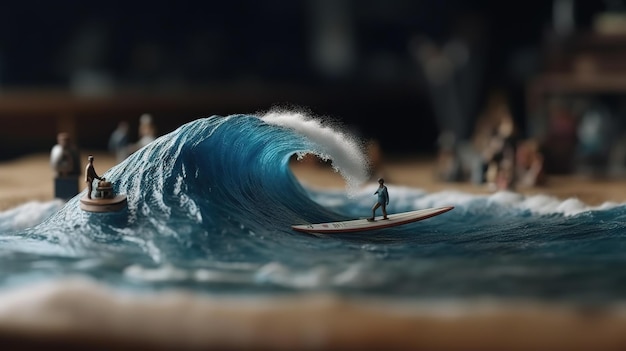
383,195
383,199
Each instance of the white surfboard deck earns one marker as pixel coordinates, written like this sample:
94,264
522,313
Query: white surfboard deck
359,225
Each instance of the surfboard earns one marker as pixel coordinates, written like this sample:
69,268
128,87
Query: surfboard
359,225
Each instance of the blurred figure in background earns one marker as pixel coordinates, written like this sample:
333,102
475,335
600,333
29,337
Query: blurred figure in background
596,132
500,162
494,145
147,132
529,164
65,161
119,141
61,158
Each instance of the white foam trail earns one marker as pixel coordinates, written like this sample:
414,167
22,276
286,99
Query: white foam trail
540,204
28,214
169,273
345,151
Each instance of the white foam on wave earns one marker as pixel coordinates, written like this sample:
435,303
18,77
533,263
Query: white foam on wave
538,204
168,273
344,149
404,198
28,214
543,204
272,273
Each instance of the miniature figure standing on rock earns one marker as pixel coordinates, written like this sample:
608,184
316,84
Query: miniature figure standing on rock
90,175
105,199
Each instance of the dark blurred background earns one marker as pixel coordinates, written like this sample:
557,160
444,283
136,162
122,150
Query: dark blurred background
396,71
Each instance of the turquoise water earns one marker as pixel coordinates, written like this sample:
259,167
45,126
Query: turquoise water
211,204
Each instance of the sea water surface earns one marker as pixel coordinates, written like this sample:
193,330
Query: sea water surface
210,207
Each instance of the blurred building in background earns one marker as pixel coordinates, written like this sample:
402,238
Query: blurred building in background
402,72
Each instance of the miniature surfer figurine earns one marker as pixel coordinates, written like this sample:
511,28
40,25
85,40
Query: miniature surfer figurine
383,199
90,175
